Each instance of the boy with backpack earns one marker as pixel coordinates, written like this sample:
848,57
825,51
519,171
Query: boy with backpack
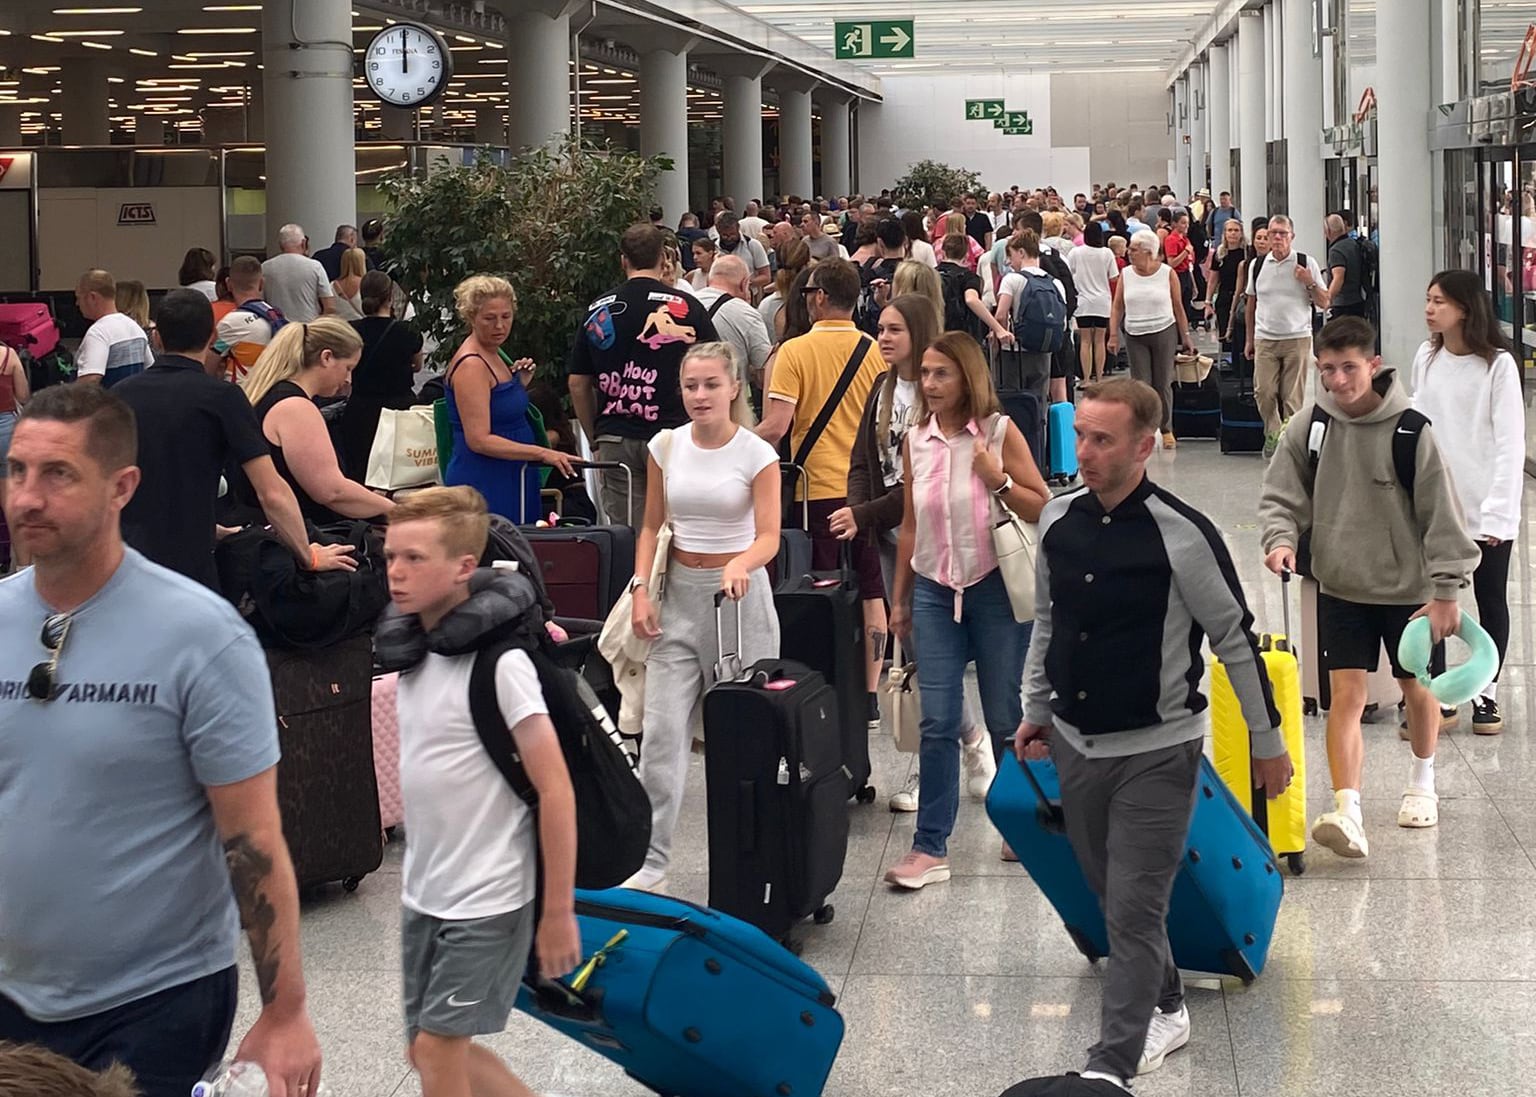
1359,474
963,306
475,853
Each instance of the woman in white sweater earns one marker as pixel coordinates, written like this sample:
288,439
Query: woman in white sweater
1466,381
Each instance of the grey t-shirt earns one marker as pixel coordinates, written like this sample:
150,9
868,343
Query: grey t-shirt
114,880
739,324
295,283
1345,253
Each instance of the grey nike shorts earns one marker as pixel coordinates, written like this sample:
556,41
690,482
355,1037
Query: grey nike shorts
460,978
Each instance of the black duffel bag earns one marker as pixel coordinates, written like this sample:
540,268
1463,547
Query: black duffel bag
292,607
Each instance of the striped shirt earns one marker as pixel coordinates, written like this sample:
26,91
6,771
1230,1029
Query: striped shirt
951,505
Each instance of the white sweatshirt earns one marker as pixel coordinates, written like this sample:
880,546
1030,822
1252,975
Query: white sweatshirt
1479,419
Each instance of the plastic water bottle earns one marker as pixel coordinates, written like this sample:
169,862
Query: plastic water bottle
241,1079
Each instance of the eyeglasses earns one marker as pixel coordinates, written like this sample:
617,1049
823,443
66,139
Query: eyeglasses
42,682
807,290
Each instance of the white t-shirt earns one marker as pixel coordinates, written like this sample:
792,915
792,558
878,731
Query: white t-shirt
709,491
206,287
904,407
295,284
1092,268
752,227
1284,308
1479,420
470,841
752,253
114,349
1013,285
923,252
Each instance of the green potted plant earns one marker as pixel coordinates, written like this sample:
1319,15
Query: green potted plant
930,183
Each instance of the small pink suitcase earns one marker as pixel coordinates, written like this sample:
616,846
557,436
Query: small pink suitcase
29,327
386,750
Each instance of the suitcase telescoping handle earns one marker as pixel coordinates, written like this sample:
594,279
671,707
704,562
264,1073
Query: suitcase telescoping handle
1052,819
629,483
728,668
1285,606
798,471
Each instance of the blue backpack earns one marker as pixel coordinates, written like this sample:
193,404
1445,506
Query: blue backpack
270,313
1039,316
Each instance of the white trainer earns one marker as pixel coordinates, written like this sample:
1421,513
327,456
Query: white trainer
905,799
1101,1076
1340,833
980,766
1166,1034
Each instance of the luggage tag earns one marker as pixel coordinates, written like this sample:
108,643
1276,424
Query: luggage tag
599,958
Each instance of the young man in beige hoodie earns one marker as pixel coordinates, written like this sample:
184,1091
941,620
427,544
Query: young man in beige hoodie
1361,471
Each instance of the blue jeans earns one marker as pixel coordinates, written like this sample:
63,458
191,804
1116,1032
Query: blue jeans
988,635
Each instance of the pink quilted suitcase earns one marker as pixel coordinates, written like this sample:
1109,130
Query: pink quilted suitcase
386,750
29,327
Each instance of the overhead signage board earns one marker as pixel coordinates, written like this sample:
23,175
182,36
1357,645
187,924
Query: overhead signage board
878,40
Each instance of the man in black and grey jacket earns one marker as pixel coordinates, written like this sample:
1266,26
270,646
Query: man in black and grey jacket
1131,579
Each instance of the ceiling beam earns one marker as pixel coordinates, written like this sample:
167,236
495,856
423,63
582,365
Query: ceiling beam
1218,28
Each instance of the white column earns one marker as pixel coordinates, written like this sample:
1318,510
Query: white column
1199,123
1218,101
1251,189
741,129
83,102
664,123
796,155
1404,175
836,142
1180,180
311,168
1305,189
538,70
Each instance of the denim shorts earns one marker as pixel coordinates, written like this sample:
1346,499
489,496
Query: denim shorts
7,428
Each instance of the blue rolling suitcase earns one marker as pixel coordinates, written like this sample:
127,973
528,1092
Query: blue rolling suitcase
690,1002
1061,439
1225,899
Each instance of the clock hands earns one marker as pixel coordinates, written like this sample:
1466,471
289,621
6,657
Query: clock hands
405,53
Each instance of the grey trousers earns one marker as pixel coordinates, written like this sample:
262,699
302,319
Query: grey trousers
1151,359
615,485
680,669
1128,820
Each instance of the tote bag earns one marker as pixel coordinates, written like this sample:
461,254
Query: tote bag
404,453
1015,541
902,703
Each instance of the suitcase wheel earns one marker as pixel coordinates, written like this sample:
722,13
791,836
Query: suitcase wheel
1239,966
350,883
1309,706
1296,862
824,915
865,795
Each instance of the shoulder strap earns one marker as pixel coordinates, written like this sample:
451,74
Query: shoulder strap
1405,448
823,417
472,354
485,711
718,305
1320,418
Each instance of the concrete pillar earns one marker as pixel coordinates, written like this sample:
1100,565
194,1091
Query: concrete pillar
796,154
151,131
1306,191
83,102
1218,102
1404,175
1252,196
311,168
741,130
10,127
1199,122
1273,73
489,128
836,146
664,117
1180,180
538,70
397,124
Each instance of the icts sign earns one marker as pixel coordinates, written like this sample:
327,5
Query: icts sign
136,213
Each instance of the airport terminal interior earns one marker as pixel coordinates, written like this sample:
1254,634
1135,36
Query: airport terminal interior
132,134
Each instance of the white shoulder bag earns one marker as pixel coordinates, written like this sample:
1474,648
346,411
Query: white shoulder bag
1015,541
902,704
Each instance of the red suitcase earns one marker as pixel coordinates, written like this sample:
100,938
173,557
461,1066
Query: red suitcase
29,327
585,567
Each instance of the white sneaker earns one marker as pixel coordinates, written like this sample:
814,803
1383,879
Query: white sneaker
980,766
905,800
647,879
1340,833
1167,1033
1100,1076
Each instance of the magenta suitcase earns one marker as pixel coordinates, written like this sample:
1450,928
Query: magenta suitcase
29,327
386,750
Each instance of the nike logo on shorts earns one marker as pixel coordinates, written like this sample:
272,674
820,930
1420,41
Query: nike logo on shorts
454,1001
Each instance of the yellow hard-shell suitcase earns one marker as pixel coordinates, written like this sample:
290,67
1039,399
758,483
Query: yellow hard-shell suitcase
1230,751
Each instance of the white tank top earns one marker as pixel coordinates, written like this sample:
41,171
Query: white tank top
1148,304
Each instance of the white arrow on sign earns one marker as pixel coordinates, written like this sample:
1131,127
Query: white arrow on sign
897,39
996,111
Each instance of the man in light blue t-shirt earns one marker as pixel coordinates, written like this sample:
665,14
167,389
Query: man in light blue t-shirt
138,753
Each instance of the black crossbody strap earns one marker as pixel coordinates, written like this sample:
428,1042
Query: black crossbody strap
823,417
719,304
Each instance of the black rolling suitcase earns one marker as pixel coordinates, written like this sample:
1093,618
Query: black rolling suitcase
776,791
585,567
326,787
1242,427
1022,400
821,622
794,556
1197,408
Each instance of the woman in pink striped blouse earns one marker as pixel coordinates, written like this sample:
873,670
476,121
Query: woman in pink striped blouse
964,459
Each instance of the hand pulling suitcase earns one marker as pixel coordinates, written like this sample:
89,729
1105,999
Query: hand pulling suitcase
1382,692
386,750
1197,408
1242,427
776,790
326,787
1286,815
1061,439
585,567
794,556
1225,898
821,621
691,1002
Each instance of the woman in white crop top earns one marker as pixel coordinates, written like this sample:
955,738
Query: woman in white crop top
717,486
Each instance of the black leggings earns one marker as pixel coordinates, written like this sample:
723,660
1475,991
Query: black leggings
1490,585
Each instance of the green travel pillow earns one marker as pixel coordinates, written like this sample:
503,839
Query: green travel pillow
1461,683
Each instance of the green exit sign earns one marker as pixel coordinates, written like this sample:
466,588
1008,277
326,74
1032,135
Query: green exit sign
984,110
875,40
1026,130
1012,120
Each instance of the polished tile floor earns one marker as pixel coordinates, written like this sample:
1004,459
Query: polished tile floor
1412,974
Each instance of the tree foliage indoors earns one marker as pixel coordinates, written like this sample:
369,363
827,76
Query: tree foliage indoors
930,183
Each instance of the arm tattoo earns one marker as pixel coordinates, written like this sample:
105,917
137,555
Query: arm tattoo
249,869
876,645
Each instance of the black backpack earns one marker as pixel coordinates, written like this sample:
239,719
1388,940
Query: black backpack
613,811
957,314
1370,266
867,315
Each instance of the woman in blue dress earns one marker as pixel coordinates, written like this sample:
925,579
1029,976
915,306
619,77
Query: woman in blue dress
494,450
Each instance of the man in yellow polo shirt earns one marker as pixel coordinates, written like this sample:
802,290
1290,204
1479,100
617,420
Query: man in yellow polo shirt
807,377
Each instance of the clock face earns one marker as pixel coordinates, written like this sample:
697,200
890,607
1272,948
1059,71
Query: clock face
407,65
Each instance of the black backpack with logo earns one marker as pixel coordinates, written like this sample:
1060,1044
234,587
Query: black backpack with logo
957,314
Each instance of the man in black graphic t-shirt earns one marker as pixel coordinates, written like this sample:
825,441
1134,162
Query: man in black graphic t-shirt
624,366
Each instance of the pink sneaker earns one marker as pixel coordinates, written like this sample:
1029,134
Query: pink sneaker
917,870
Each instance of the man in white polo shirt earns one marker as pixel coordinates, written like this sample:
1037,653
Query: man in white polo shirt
115,347
1283,291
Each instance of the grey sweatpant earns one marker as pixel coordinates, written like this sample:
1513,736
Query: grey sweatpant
1128,820
680,668
1151,357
